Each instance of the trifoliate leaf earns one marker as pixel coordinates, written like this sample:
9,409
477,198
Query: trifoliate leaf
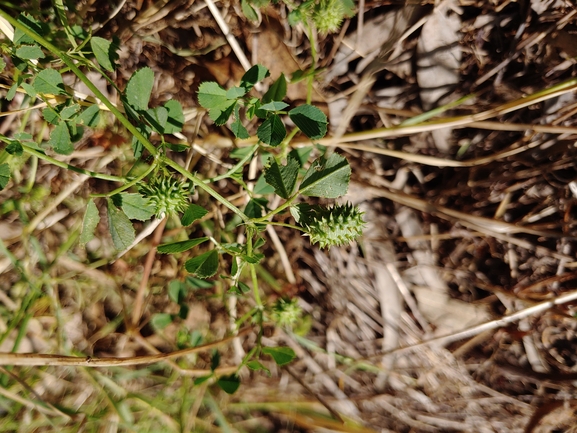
156,118
49,81
272,131
60,139
28,52
135,206
181,246
159,321
105,52
4,175
248,10
91,220
120,227
254,75
175,120
192,213
89,117
281,355
327,178
310,120
277,91
282,177
229,384
139,89
203,266
274,106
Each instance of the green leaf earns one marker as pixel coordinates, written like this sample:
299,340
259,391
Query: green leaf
137,146
248,10
120,227
239,130
14,148
69,111
175,120
229,384
192,213
203,266
235,92
220,117
197,283
301,154
176,291
91,220
254,75
272,131
180,246
212,96
12,92
2,65
60,139
241,152
29,89
51,115
274,106
282,178
253,209
135,206
139,89
277,91
49,81
105,52
156,117
244,288
310,120
4,175
160,321
327,178
281,355
200,380
89,117
28,52
261,187
214,360
257,366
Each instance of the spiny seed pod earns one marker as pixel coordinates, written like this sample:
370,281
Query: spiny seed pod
328,15
286,313
167,194
333,226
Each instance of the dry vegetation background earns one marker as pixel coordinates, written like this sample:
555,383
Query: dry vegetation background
466,224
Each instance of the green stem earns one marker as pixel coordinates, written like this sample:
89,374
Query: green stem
67,166
66,59
276,211
235,168
127,185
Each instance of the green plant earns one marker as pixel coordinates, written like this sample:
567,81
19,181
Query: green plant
157,185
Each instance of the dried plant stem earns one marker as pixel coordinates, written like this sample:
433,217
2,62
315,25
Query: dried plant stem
34,359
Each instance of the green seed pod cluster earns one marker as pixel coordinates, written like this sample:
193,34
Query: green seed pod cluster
167,194
286,312
328,15
332,226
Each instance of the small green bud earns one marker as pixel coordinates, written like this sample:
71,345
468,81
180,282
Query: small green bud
332,226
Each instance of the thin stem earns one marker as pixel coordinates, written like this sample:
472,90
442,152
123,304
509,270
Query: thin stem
67,166
235,168
127,185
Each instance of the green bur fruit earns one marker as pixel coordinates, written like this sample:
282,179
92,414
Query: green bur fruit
167,194
331,226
